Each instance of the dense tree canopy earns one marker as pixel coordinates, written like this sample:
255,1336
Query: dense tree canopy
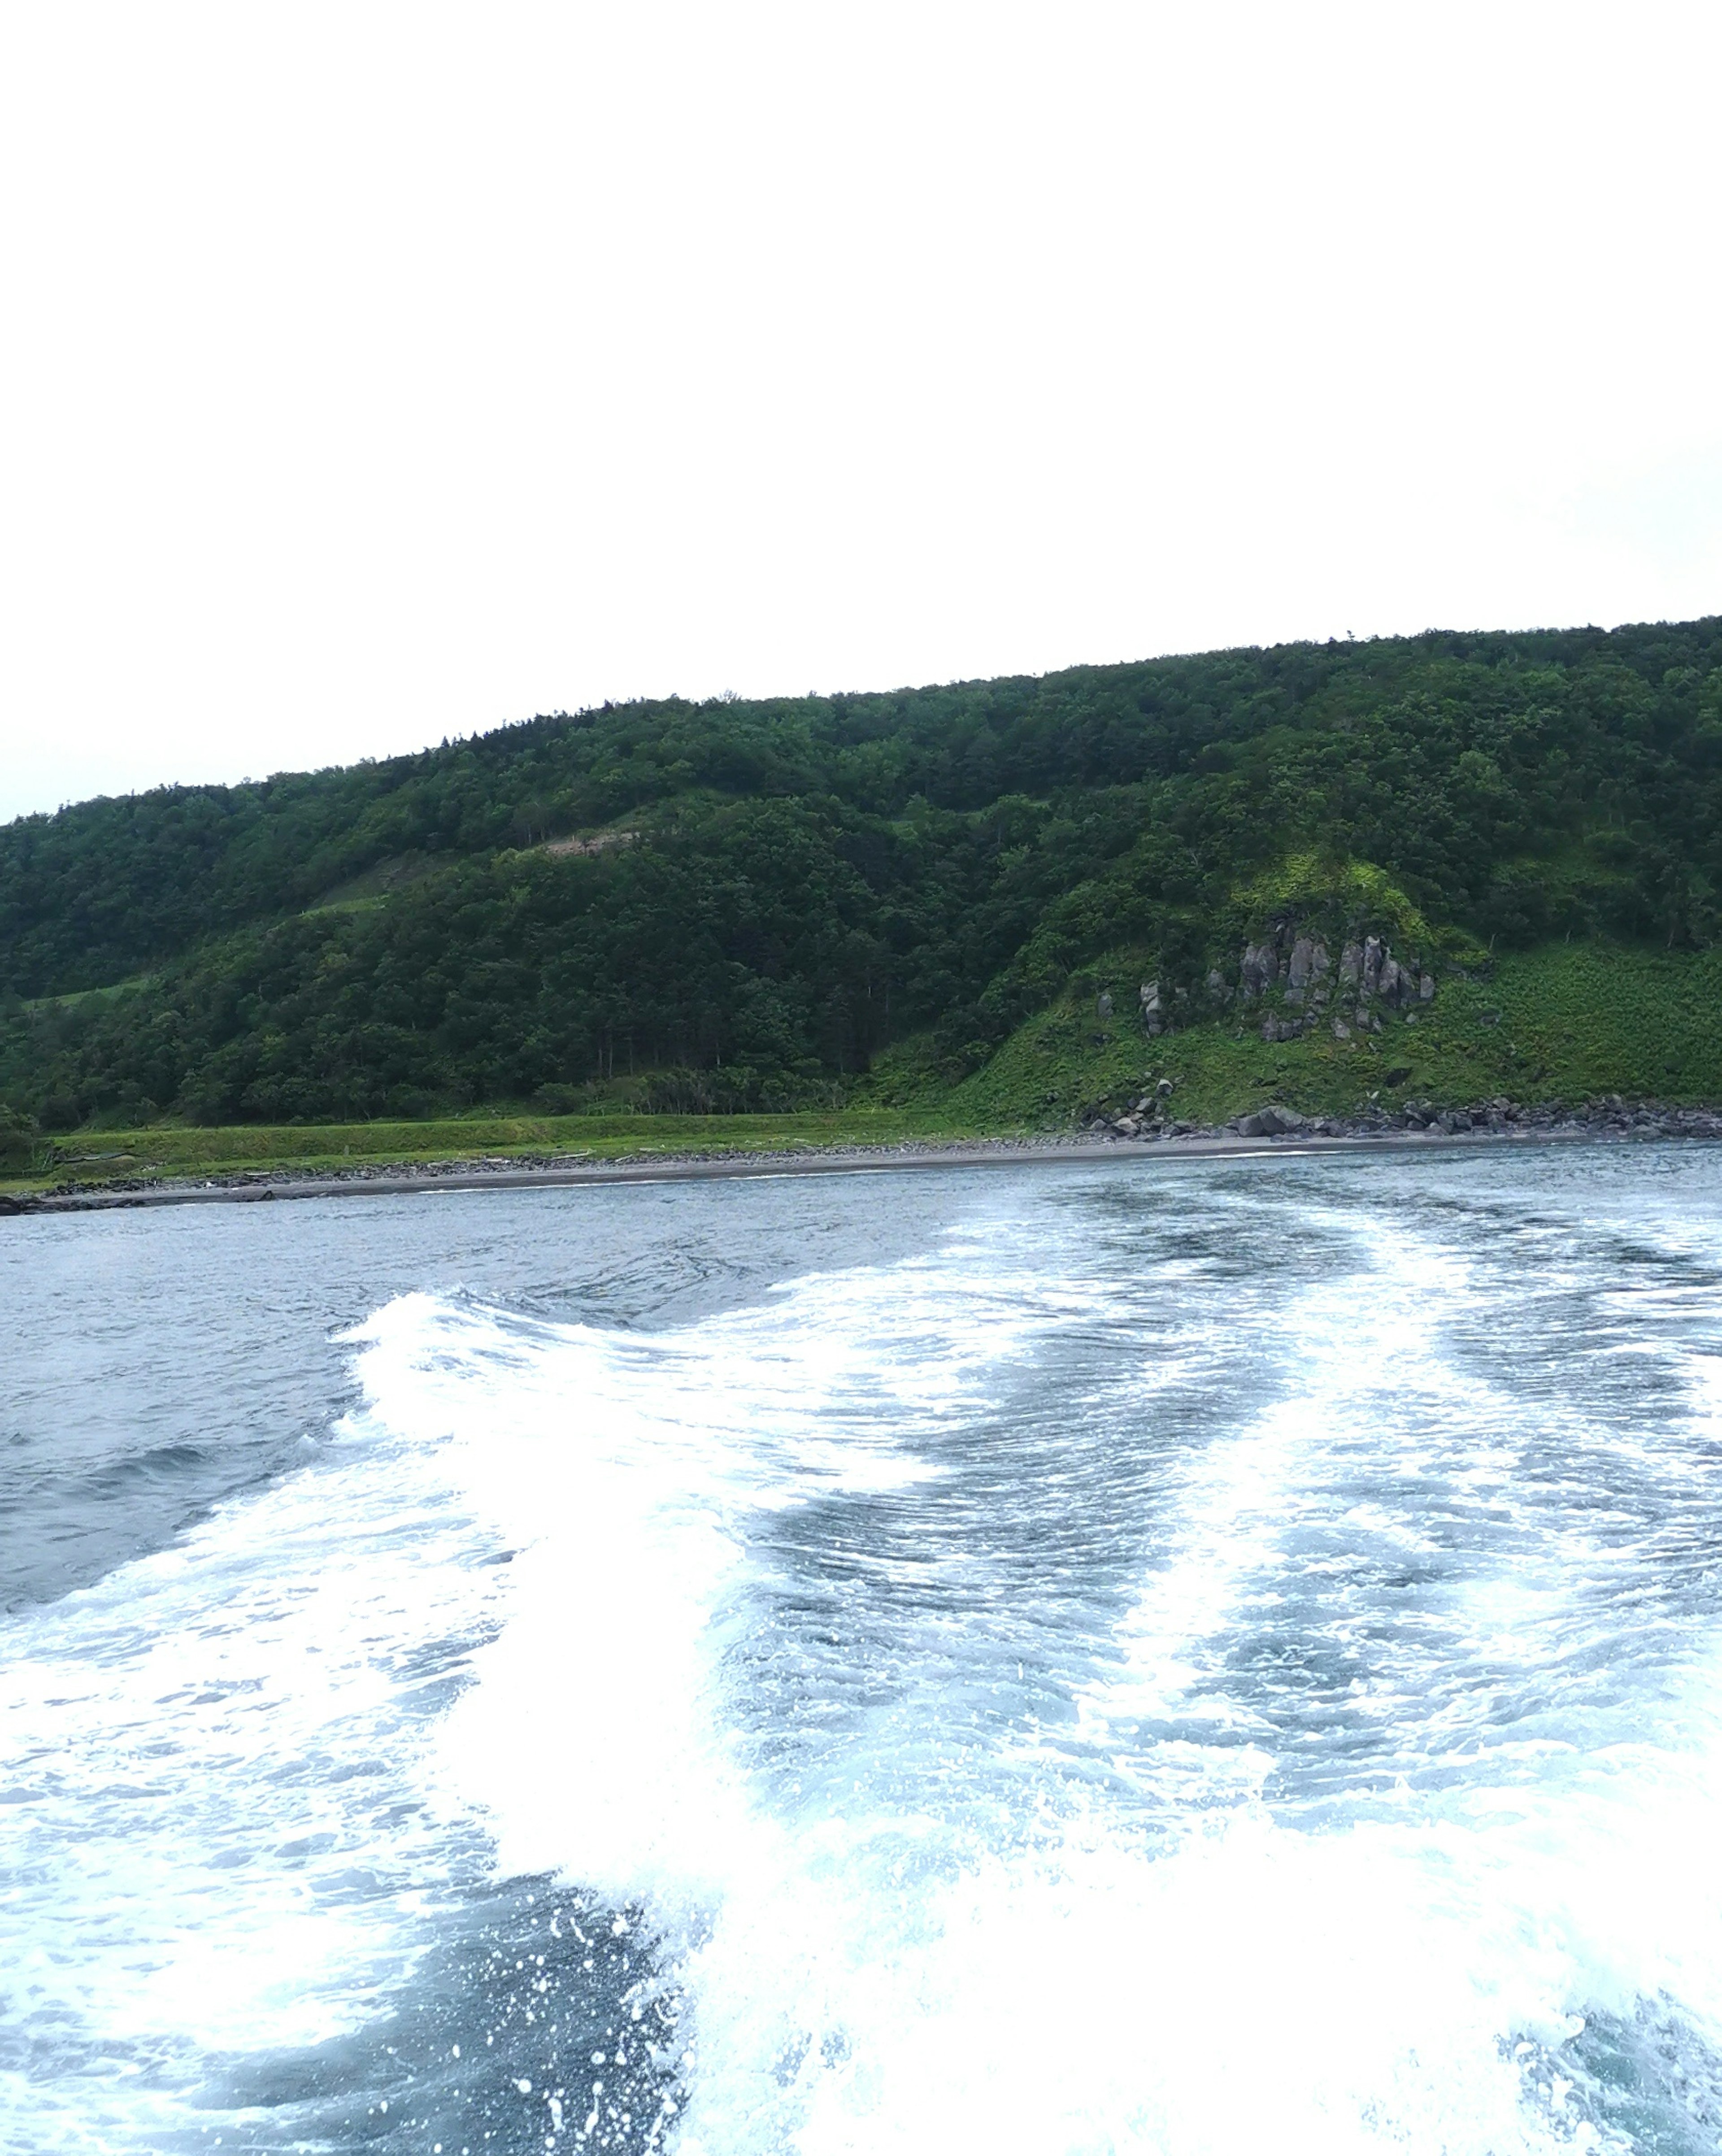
805,880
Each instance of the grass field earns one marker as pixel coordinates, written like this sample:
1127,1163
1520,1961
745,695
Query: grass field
168,1150
1567,1022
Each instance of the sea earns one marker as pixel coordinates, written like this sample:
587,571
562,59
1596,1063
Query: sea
1219,1658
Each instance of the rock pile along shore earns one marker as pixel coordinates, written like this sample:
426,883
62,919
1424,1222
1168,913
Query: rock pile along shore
1151,1117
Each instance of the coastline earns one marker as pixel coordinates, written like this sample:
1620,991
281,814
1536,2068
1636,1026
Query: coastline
425,1178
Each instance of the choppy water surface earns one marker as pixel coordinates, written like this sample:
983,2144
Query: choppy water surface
1217,1657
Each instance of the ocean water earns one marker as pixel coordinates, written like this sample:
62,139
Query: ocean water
1206,1658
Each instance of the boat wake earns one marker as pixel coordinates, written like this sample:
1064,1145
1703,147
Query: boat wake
1022,1697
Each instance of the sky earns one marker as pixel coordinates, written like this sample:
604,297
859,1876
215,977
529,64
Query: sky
375,373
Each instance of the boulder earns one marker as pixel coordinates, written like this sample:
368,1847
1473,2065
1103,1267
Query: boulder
1351,965
1374,951
1103,1006
1272,1122
1276,1122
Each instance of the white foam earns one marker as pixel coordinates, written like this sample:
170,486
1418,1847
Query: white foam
989,1960
200,1751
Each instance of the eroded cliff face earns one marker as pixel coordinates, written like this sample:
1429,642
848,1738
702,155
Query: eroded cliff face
1289,982
1291,976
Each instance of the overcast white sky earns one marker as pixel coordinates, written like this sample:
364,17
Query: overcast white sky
376,372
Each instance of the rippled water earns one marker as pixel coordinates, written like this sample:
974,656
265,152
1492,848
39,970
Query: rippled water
1215,1657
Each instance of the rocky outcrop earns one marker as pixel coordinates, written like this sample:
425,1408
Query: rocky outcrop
1307,971
1290,974
1289,980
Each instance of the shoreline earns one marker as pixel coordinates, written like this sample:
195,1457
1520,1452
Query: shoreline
431,1177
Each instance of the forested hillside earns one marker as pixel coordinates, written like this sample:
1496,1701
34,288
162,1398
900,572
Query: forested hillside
741,904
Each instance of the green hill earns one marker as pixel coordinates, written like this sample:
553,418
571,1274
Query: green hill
916,898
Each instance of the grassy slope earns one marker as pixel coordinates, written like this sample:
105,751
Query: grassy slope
1566,1023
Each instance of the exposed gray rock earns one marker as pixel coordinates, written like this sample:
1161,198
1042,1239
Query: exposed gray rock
1373,951
1272,1122
1103,1006
1426,988
1351,965
1308,967
1258,969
